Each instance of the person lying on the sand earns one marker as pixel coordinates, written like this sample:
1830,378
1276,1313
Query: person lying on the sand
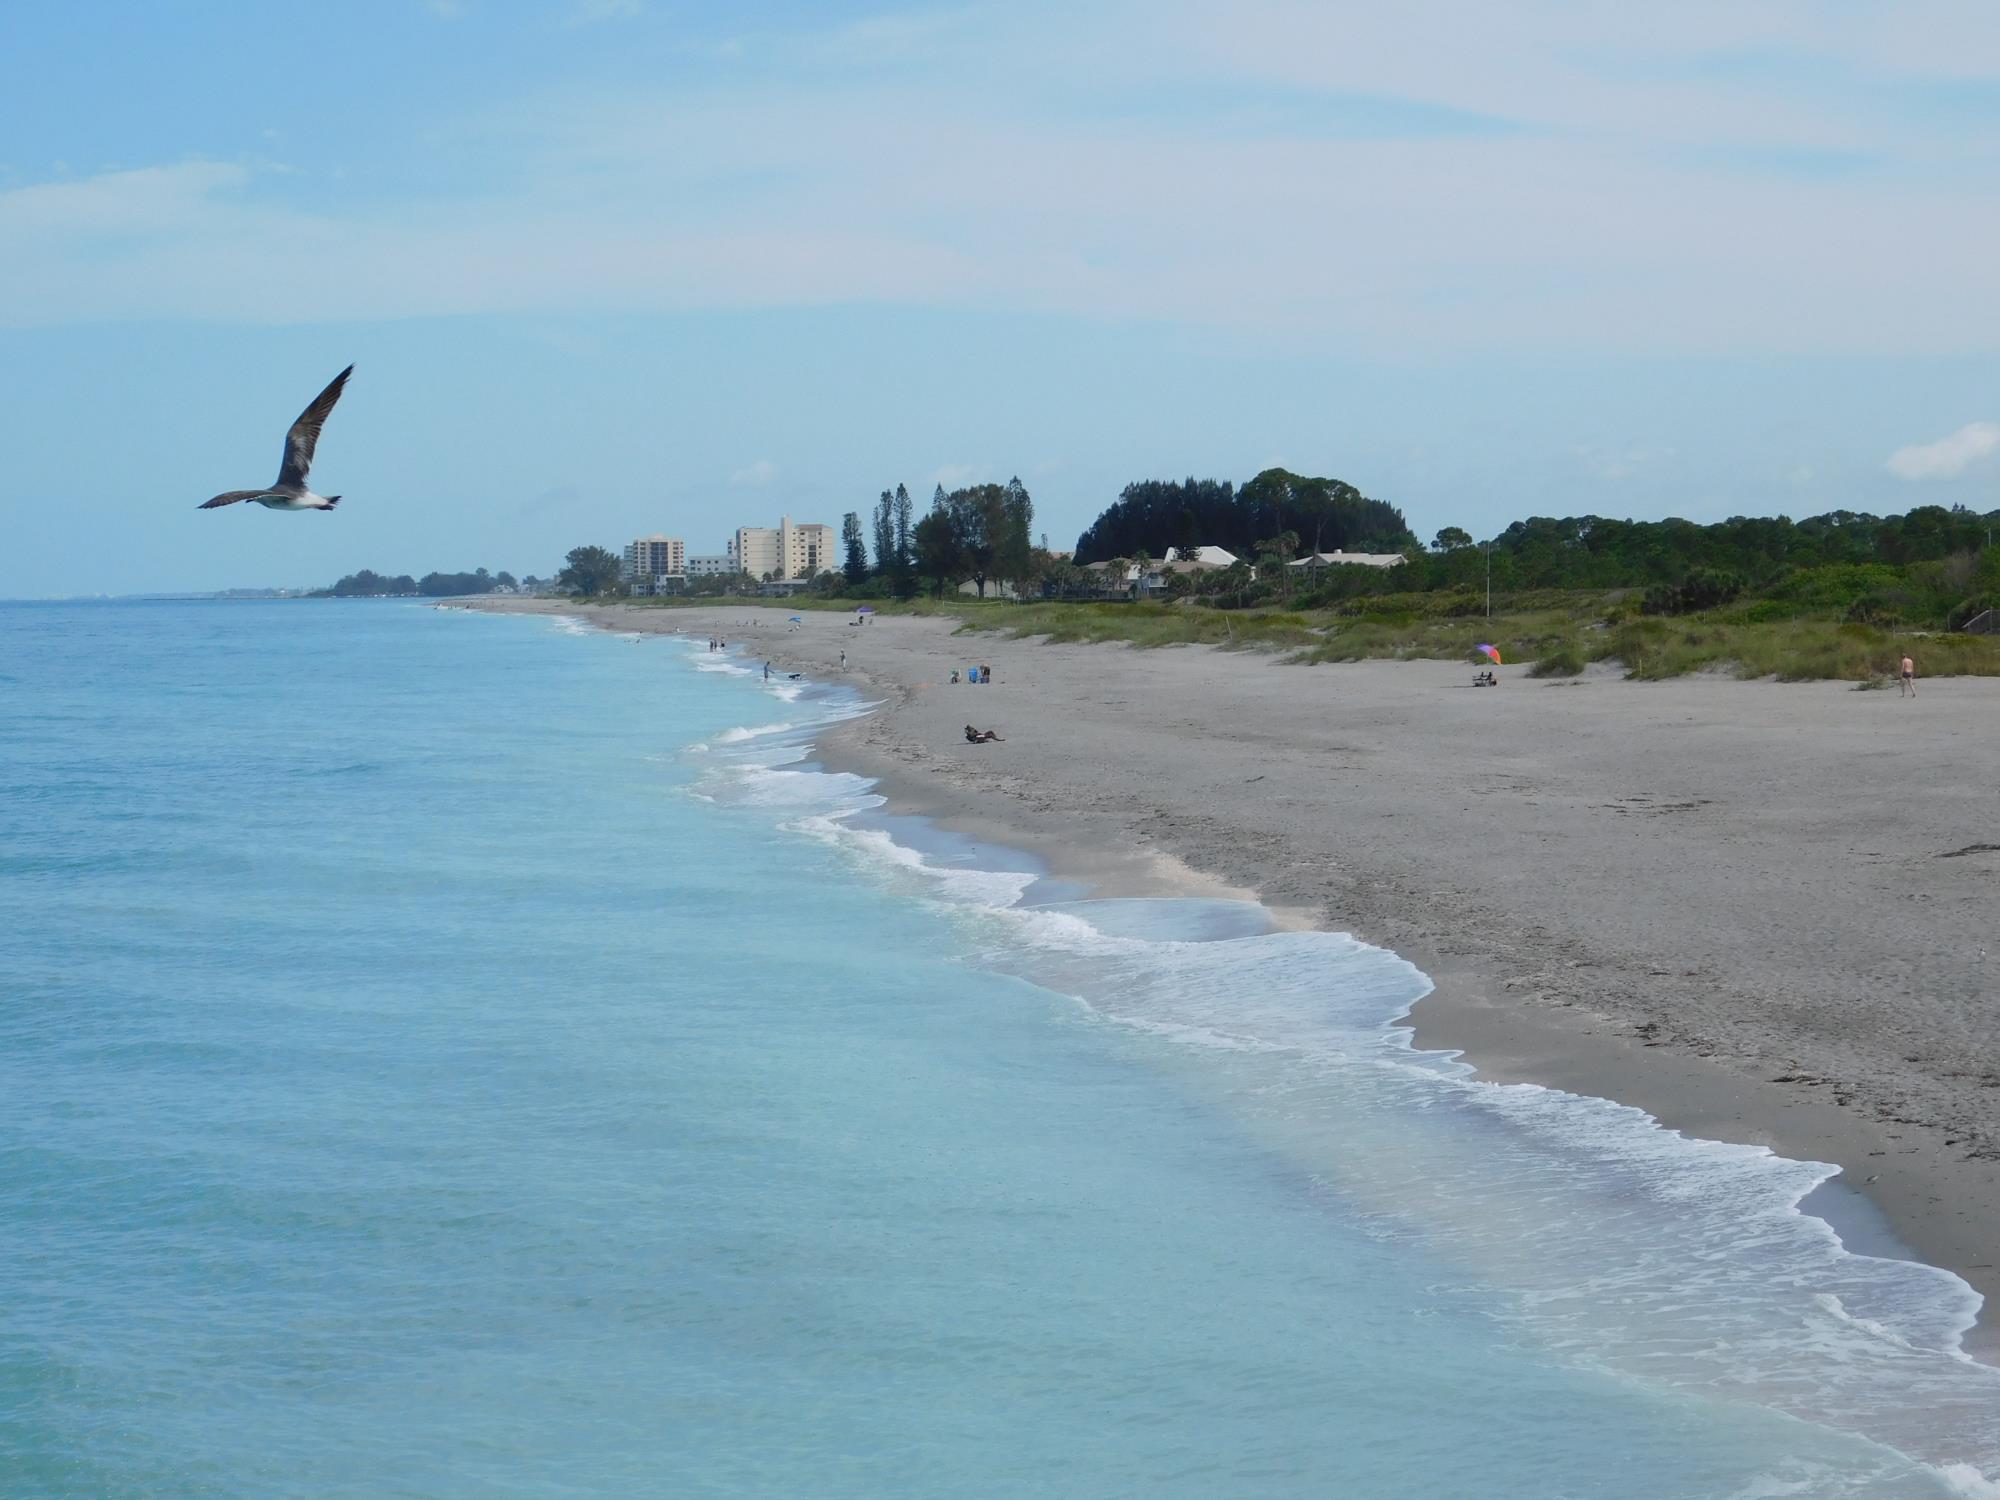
981,736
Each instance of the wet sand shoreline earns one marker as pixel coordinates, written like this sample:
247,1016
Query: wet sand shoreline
1686,896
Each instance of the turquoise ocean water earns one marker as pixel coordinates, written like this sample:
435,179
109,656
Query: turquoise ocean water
454,1055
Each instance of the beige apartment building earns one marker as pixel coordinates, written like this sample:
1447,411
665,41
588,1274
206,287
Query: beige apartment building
790,549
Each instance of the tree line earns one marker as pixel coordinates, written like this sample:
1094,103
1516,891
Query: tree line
1929,566
980,534
368,584
1932,565
1155,517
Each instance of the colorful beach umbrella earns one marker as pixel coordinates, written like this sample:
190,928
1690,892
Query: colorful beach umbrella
798,619
864,609
1491,653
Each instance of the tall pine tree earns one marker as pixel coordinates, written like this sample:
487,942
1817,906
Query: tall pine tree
904,577
1015,558
885,535
854,549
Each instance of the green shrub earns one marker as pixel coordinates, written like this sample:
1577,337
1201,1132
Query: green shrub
1885,607
1564,660
1704,588
1769,611
1832,589
1967,610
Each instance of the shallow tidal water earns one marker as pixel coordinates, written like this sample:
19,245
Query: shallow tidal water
479,1056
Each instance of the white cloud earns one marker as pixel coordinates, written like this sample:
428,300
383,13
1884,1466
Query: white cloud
149,201
799,181
750,476
1948,457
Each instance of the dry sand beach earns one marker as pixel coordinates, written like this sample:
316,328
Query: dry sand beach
1759,911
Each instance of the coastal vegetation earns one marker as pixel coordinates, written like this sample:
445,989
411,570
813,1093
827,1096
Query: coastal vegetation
1839,595
973,535
368,584
1156,516
1561,634
590,571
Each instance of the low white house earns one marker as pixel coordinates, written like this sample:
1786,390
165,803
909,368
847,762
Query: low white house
1357,559
996,588
1129,579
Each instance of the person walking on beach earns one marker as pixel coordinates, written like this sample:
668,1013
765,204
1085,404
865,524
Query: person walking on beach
767,671
1909,678
843,660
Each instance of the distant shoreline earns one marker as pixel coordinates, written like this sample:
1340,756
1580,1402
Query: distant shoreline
1684,896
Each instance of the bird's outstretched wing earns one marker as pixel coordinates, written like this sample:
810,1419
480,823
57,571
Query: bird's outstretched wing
230,498
300,441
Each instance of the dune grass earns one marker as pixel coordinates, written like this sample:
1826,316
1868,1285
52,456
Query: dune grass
1558,633
1149,625
1520,636
1792,650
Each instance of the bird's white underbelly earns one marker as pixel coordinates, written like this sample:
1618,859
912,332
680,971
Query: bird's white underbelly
291,502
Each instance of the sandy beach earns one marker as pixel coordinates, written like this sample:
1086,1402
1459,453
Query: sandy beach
1757,910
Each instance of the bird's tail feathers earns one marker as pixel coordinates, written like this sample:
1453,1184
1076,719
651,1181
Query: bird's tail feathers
331,502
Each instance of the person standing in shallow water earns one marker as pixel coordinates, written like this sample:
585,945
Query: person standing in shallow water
1909,678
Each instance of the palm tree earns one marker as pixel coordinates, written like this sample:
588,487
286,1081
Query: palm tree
1277,553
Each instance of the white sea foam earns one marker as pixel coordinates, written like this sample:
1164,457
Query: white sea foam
1620,1244
1964,1479
739,734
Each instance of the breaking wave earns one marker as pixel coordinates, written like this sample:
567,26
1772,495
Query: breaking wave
1619,1244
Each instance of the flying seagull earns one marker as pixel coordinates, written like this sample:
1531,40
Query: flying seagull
290,492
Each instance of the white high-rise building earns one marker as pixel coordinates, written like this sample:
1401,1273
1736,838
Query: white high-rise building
711,564
789,549
650,559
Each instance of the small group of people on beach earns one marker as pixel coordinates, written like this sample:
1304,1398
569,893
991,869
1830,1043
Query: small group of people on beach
981,673
716,643
981,736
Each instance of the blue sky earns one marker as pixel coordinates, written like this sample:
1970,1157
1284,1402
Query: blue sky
607,267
